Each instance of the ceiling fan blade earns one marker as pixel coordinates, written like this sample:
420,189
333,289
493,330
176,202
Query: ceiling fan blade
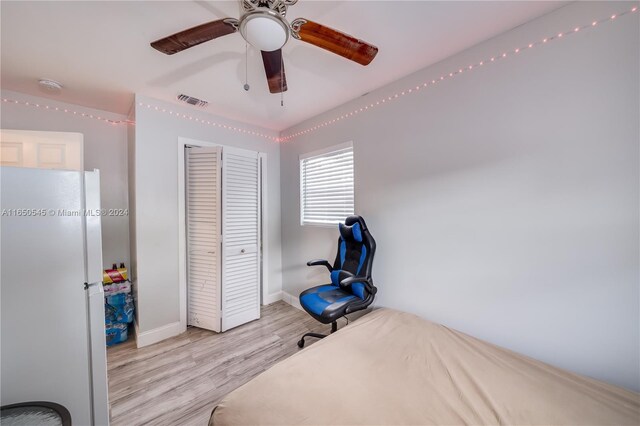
274,69
193,36
334,41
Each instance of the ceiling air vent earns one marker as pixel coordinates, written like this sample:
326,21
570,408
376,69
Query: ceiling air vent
192,101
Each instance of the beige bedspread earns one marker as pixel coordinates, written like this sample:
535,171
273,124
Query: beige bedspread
394,368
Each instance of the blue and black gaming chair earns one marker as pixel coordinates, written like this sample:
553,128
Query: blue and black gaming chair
351,287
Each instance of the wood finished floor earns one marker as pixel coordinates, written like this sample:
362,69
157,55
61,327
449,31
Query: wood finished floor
180,380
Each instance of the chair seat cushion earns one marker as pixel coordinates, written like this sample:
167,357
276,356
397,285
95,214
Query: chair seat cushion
326,303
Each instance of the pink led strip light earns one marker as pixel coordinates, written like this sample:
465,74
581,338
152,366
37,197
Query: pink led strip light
209,122
452,74
68,111
356,111
130,122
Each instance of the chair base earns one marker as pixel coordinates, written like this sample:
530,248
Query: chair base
334,328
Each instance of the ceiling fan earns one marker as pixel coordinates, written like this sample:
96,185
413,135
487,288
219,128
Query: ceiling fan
264,26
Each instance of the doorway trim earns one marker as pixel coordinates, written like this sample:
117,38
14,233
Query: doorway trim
182,224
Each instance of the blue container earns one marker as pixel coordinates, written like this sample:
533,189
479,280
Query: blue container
118,313
116,333
118,310
119,299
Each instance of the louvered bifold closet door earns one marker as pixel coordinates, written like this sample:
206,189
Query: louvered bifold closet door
241,237
203,237
326,187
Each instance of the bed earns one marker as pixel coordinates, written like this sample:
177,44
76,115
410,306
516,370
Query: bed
394,368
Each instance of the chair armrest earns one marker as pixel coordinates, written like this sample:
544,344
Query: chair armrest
367,283
320,262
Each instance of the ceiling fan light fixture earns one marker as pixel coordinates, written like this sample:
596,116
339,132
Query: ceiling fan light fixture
263,24
264,29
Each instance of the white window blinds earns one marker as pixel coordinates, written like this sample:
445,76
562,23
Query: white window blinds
326,186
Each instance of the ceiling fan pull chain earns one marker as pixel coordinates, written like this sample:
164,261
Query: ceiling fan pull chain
246,66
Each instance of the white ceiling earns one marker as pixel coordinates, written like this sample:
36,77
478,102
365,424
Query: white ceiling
100,51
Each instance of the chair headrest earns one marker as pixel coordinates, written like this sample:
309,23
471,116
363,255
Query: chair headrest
352,228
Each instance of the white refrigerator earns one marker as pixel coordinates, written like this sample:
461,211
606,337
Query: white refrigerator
52,317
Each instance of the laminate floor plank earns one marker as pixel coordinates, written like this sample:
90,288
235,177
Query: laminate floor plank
180,380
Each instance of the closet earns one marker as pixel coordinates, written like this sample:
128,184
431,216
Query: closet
223,236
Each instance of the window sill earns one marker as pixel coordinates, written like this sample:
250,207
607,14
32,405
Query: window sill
319,225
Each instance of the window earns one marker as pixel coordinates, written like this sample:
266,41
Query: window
326,185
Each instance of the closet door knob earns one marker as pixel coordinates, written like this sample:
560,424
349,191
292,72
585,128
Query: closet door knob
242,251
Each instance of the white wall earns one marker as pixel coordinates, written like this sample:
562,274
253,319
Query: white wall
504,201
156,205
105,148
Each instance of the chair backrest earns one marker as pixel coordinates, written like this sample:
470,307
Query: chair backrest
356,248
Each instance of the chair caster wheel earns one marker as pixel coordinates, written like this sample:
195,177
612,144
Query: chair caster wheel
301,343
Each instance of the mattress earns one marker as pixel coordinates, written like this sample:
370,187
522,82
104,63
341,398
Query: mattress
394,368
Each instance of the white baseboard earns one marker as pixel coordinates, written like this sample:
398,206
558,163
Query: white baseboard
291,300
271,298
156,335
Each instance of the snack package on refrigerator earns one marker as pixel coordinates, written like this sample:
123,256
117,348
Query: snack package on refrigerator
115,274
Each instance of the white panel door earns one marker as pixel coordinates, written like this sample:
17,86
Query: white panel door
203,185
42,150
241,237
